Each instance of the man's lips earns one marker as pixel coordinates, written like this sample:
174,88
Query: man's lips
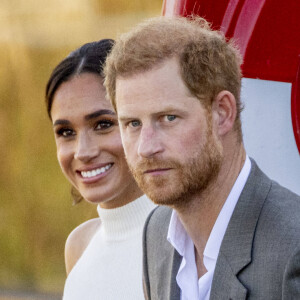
157,171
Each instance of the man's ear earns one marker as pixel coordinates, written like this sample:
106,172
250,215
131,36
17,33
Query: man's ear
224,108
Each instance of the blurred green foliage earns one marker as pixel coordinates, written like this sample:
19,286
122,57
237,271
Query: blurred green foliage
36,209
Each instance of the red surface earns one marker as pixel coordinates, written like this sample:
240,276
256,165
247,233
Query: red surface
207,9
296,107
266,31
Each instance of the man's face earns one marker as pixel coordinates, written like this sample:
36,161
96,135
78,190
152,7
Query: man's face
167,134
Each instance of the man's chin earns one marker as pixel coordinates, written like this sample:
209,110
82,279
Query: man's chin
162,195
156,191
163,190
159,199
153,186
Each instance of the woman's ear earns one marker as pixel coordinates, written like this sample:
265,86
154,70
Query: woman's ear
224,108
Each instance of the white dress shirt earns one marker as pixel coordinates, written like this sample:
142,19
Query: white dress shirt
187,276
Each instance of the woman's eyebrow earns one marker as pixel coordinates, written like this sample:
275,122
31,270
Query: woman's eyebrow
87,117
99,113
61,122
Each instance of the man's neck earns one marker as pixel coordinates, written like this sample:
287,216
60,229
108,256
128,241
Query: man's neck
199,215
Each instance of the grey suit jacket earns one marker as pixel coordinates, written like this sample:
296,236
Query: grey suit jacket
259,256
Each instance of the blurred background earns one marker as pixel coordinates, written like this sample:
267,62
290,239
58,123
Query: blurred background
36,212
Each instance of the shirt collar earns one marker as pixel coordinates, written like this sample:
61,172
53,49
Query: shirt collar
178,237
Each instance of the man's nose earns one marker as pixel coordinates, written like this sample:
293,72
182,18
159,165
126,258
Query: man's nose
149,142
87,148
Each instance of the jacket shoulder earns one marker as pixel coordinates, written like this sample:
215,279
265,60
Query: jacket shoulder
158,221
281,212
160,260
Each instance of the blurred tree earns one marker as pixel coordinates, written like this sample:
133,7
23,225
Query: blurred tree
108,7
36,208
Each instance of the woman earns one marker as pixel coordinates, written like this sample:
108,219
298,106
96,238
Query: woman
104,255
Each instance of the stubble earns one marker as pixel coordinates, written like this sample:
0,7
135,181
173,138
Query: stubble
183,180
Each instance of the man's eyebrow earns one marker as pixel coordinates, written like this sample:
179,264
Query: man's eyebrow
99,113
121,118
167,110
124,119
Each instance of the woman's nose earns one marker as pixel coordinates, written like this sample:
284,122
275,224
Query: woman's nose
87,148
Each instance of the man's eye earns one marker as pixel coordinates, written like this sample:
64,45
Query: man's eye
135,123
104,124
170,118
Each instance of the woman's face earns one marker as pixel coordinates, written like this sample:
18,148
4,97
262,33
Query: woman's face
89,148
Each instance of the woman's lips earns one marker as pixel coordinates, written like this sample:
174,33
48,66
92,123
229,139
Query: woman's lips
92,175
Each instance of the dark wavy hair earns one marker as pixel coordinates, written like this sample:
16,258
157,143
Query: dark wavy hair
89,58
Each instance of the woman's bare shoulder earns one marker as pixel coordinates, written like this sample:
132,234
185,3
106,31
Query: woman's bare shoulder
78,240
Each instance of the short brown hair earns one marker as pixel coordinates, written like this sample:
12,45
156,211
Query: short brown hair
208,62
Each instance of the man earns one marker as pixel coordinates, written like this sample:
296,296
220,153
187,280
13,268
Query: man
224,230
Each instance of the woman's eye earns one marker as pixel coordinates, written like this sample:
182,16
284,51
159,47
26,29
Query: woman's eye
65,132
170,118
104,124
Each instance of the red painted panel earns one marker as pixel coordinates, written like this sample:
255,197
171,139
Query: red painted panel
267,32
296,107
272,52
243,29
231,16
207,9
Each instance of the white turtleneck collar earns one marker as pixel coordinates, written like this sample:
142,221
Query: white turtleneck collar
120,223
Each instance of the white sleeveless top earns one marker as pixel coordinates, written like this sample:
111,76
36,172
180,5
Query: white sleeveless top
110,268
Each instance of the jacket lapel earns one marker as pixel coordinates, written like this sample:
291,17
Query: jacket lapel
236,248
174,288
